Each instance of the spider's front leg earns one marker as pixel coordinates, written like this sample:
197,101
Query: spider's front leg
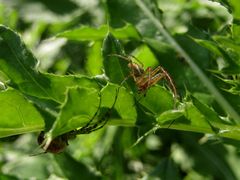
102,118
170,81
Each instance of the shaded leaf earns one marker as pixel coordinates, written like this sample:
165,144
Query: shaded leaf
166,169
19,64
116,69
230,66
73,169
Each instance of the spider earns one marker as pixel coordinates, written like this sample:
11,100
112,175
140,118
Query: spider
144,79
58,144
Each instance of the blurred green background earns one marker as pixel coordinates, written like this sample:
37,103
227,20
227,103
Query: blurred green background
108,153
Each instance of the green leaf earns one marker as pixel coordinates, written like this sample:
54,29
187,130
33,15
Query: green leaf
166,169
128,32
197,117
19,64
236,8
15,60
120,12
73,169
116,69
210,45
79,108
234,86
227,42
86,33
7,177
94,60
82,104
58,84
157,100
206,111
124,106
231,64
170,115
145,55
198,122
18,115
231,47
8,16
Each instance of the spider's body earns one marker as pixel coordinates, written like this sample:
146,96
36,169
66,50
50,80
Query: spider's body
58,144
144,79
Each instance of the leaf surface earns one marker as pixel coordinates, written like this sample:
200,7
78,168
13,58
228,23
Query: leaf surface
18,115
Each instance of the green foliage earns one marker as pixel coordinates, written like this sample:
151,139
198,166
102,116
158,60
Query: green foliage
18,115
92,34
80,76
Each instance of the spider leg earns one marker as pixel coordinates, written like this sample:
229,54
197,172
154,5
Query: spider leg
148,75
144,77
94,128
104,119
126,78
99,105
127,58
149,78
155,79
170,81
157,70
137,60
82,129
130,61
121,56
165,74
171,123
108,113
144,82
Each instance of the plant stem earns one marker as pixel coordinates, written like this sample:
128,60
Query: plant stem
210,86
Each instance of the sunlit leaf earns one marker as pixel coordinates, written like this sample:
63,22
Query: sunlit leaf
170,115
18,115
157,100
124,106
146,56
86,33
79,108
95,61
